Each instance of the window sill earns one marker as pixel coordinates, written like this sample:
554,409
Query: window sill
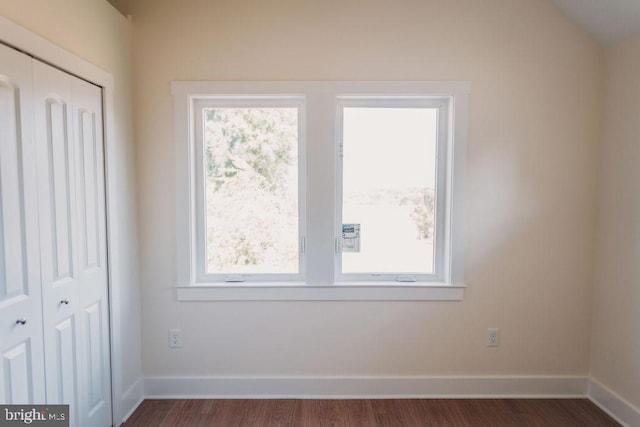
299,291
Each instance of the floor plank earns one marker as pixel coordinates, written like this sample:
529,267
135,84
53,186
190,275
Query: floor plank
370,412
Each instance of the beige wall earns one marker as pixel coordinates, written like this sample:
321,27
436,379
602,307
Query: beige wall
96,32
534,130
615,353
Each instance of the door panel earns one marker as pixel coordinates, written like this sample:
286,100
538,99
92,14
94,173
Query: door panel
66,361
59,151
94,355
15,364
21,347
73,235
89,208
55,151
12,260
92,253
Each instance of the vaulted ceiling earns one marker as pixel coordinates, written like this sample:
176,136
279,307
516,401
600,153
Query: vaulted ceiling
124,6
607,21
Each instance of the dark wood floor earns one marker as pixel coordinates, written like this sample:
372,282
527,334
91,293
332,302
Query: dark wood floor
383,412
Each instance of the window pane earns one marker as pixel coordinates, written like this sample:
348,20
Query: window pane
389,174
251,190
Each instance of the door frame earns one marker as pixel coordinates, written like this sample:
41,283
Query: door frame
40,48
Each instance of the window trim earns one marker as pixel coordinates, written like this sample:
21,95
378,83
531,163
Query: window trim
198,199
320,281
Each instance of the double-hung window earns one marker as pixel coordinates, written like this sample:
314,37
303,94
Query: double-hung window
320,190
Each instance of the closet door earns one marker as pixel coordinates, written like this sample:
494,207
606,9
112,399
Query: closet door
21,346
55,151
92,278
68,117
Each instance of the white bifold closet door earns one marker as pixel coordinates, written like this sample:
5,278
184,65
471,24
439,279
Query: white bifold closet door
69,210
21,338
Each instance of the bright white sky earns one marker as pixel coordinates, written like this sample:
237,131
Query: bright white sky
389,148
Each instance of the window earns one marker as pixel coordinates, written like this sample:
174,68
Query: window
320,190
249,215
392,165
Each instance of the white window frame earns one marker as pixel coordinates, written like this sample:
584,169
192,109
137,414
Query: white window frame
443,145
320,177
198,188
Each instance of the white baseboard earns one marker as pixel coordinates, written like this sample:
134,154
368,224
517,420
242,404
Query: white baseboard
132,398
621,410
365,387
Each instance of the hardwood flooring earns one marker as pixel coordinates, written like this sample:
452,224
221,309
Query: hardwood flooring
371,412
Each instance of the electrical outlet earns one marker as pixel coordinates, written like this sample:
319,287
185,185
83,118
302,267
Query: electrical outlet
175,338
493,337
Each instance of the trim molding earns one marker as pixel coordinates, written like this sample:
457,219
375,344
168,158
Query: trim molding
365,387
131,399
621,410
302,292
